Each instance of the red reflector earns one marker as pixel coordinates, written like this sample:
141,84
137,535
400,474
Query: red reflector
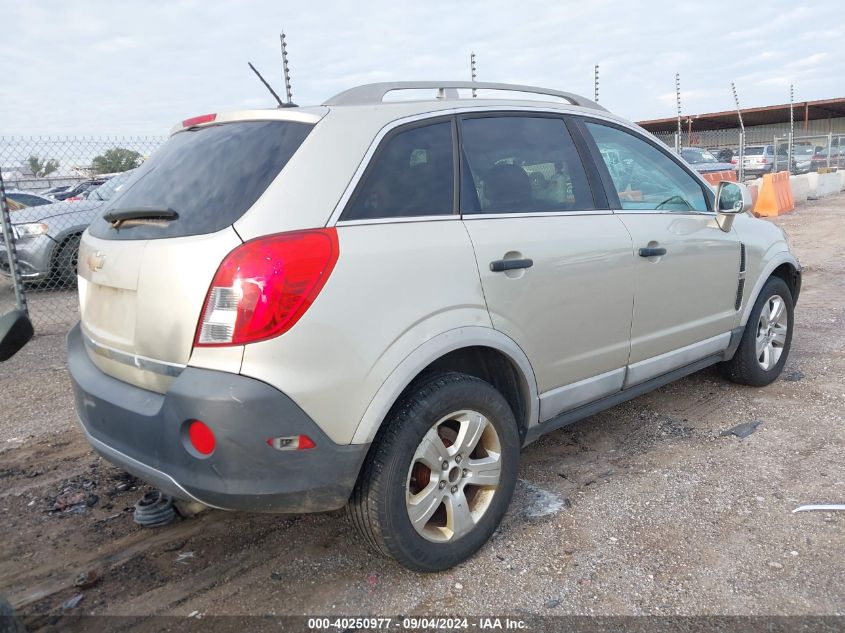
201,437
196,120
305,442
264,286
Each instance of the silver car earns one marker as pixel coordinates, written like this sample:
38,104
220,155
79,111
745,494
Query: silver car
376,303
47,236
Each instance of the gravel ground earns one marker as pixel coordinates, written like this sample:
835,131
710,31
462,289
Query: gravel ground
646,508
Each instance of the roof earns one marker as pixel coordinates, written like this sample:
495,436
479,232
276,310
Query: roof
767,115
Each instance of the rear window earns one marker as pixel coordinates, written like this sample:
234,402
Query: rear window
754,151
209,176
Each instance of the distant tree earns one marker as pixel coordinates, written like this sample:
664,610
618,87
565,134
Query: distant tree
40,167
115,160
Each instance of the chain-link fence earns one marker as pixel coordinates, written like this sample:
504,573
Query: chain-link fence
756,152
54,188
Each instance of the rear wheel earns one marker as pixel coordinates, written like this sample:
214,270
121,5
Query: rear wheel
440,475
765,344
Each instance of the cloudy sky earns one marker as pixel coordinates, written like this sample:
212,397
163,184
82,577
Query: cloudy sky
133,67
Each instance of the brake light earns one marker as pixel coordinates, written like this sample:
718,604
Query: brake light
197,120
264,286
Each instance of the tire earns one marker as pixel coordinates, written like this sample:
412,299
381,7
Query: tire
66,261
454,409
749,366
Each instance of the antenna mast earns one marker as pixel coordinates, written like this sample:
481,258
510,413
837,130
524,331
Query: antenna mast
266,85
596,83
472,71
678,100
741,135
286,68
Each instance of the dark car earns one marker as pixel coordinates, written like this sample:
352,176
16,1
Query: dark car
703,161
77,191
833,156
28,199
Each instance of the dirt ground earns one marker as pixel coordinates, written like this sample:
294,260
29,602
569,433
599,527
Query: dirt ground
644,509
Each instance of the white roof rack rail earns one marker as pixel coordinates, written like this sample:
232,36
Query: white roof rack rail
374,93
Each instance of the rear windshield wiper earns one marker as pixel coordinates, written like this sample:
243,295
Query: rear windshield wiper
140,213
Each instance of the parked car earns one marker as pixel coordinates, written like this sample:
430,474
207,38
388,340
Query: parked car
704,161
759,159
828,157
47,237
297,309
54,190
802,156
27,199
77,191
722,154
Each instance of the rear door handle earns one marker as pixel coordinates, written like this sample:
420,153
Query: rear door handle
652,252
500,265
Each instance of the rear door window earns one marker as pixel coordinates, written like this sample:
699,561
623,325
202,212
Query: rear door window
209,176
411,174
521,164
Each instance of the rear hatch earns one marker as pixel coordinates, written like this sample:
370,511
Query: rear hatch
146,262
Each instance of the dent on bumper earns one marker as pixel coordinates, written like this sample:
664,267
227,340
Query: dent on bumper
144,433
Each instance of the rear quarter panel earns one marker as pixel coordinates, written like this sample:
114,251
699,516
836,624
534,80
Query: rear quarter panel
394,287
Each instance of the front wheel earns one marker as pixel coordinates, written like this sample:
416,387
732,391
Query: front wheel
767,338
66,262
440,474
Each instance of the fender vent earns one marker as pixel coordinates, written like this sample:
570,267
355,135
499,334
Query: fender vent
740,287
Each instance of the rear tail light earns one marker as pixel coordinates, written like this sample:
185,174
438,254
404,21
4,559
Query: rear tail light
264,286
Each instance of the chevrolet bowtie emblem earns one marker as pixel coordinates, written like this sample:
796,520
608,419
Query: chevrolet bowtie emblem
96,261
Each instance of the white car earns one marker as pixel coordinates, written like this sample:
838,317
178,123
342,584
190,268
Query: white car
378,303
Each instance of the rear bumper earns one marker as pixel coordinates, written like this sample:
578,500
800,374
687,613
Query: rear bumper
145,433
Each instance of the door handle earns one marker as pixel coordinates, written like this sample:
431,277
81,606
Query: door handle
501,265
652,252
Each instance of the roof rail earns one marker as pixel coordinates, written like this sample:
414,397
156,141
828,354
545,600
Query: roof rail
374,93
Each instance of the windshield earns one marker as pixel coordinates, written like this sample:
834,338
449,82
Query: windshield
113,185
694,156
208,176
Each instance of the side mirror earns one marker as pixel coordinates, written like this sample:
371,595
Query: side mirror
15,332
732,198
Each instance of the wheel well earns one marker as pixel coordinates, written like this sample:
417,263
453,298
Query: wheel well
492,366
789,274
67,238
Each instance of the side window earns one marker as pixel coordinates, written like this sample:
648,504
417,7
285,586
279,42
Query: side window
645,177
411,175
521,164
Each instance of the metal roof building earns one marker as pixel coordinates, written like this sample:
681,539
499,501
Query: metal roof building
825,116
